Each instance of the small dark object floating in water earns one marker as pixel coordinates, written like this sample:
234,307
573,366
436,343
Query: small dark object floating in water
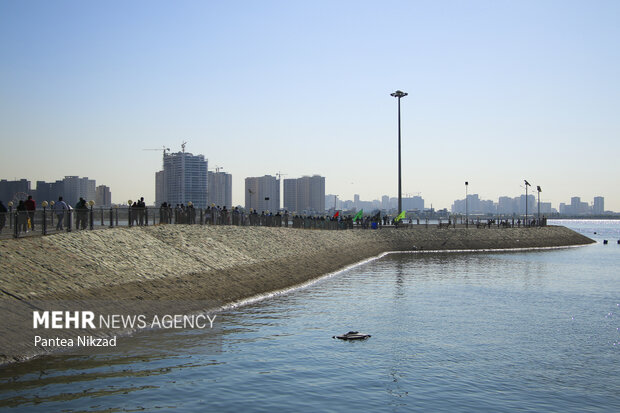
353,335
605,241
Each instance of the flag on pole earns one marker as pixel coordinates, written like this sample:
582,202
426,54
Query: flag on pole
400,216
336,214
359,215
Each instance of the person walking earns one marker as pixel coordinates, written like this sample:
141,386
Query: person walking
60,208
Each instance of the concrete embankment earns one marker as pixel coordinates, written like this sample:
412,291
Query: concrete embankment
221,264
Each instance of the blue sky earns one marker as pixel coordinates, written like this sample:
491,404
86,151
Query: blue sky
499,91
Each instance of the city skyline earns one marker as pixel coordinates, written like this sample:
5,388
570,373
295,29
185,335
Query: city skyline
498,93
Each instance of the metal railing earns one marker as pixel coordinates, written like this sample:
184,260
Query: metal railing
20,223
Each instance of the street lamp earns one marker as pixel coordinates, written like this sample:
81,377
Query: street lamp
44,204
526,185
466,206
399,94
91,218
539,191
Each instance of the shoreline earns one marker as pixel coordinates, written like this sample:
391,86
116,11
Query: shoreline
219,265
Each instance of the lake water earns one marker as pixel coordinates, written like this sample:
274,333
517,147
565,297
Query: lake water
503,331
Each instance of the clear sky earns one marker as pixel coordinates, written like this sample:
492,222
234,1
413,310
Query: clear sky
499,91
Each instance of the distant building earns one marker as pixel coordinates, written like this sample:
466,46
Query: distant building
49,191
412,203
290,195
598,208
103,196
160,188
305,194
220,189
473,205
506,205
577,207
385,202
184,180
545,208
76,188
262,193
14,190
331,201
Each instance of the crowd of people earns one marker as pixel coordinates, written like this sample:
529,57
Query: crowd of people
138,215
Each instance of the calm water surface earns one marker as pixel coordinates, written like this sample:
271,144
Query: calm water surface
528,331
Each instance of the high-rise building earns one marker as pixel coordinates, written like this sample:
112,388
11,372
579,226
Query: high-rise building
412,203
71,188
184,180
599,205
305,195
506,205
220,189
385,202
262,193
103,196
290,195
331,202
160,189
76,188
577,207
14,190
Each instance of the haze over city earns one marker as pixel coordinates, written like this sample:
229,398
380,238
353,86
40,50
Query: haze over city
498,92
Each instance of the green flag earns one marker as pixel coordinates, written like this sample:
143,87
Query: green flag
358,215
400,216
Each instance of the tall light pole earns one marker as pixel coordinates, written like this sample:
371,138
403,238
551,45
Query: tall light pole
399,94
466,206
526,185
539,191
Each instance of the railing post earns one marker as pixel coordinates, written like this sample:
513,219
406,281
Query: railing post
44,221
111,218
16,226
129,223
102,223
146,217
91,218
70,219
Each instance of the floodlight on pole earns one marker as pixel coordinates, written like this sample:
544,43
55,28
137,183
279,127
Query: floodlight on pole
526,185
466,206
399,94
539,191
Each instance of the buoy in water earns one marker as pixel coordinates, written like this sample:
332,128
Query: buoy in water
605,241
353,335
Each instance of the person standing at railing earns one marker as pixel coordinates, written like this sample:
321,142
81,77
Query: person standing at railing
141,211
22,217
60,207
3,212
31,207
81,211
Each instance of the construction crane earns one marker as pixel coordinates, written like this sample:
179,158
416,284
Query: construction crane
218,168
279,175
163,149
183,146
